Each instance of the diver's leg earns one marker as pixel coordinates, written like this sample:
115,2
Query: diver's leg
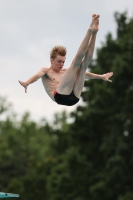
79,83
67,81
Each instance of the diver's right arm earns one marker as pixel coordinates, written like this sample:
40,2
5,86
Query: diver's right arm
33,78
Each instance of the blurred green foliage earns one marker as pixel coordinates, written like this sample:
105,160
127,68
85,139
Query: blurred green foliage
89,158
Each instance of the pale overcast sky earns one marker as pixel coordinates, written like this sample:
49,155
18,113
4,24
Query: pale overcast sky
28,31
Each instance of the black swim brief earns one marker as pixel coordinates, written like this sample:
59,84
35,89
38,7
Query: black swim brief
67,100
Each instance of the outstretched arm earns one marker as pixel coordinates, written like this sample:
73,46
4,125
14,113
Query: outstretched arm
34,78
105,77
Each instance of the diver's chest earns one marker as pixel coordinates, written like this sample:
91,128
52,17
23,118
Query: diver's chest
55,76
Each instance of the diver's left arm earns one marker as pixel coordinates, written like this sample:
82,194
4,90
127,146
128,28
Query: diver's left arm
105,77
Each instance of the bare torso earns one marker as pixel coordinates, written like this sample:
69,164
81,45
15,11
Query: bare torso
51,80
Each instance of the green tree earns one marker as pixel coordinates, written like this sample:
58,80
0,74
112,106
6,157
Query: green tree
100,139
24,151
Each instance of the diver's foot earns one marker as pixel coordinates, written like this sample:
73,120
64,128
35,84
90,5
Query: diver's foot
95,23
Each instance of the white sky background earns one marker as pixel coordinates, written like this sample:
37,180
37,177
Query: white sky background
28,31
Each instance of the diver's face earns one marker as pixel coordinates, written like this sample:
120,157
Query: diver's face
58,62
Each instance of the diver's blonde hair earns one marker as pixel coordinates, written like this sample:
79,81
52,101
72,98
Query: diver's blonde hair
58,50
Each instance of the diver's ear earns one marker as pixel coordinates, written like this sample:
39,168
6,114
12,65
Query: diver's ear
51,60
